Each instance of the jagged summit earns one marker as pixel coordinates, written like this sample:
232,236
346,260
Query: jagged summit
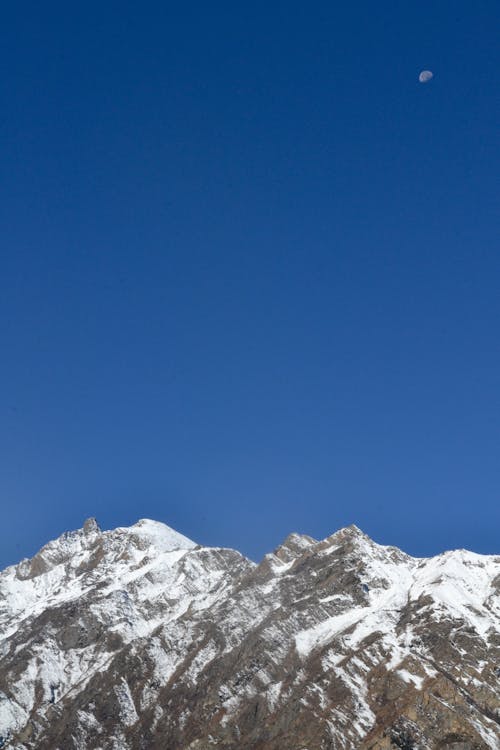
294,545
352,531
137,638
91,526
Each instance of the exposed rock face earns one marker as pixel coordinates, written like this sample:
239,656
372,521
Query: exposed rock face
138,639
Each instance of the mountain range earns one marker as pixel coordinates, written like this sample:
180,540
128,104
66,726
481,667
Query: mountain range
140,639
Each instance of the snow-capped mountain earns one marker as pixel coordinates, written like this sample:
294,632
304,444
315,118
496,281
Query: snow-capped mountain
138,639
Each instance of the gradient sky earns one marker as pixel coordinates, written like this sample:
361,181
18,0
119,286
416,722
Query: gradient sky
250,271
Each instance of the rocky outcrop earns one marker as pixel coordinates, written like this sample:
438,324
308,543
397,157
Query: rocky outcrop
138,639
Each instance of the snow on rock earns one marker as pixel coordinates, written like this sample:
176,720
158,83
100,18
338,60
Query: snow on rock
79,561
158,535
127,710
183,638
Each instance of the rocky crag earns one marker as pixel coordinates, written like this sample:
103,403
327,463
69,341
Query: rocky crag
139,639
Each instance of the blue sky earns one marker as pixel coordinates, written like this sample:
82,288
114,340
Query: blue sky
250,271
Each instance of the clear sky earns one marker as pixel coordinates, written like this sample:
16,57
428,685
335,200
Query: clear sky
250,271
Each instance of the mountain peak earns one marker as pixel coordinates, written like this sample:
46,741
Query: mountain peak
91,526
352,531
159,535
294,546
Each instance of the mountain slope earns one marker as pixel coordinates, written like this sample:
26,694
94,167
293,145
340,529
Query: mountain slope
138,638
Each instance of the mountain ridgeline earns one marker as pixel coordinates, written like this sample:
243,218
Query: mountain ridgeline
140,639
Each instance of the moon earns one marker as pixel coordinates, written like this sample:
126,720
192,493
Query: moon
425,76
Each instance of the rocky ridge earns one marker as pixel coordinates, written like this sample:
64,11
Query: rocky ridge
137,638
